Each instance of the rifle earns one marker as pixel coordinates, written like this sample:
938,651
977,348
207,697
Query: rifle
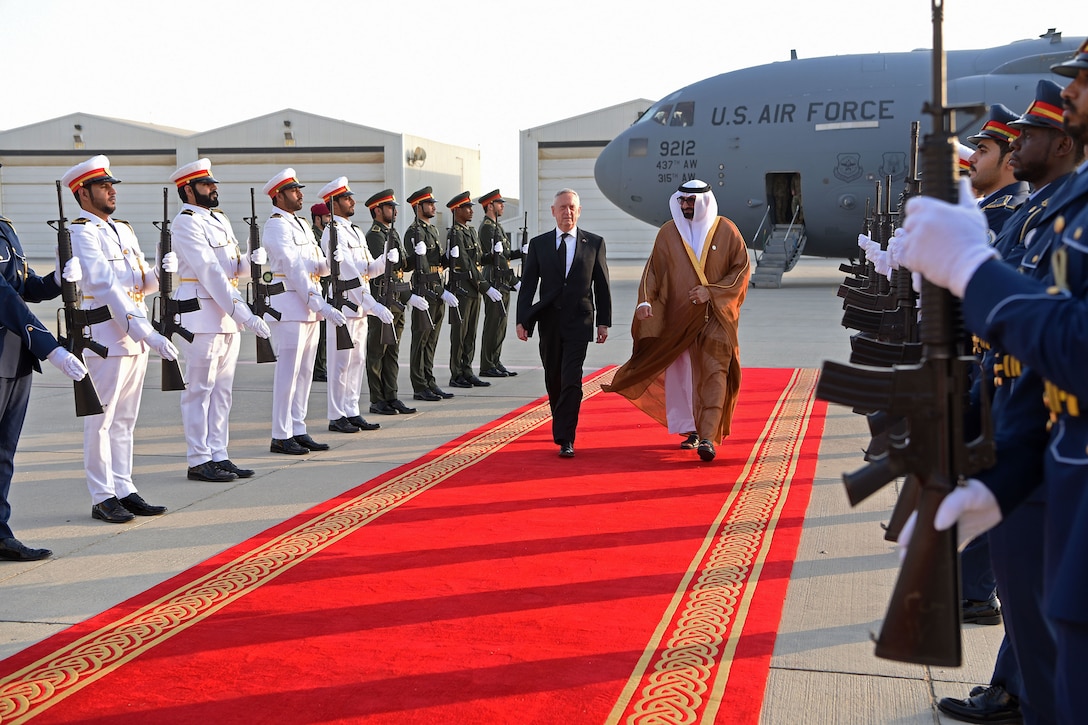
421,278
922,624
389,292
524,240
168,308
453,277
340,288
259,291
76,321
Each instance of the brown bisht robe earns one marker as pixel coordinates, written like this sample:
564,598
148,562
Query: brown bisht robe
709,331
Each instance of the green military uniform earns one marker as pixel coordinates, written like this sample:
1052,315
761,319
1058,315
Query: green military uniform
467,283
427,283
496,273
382,366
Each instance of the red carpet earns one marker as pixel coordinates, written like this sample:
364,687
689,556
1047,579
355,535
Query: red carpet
487,582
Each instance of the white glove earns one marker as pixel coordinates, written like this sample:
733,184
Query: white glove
259,256
67,363
170,262
393,255
333,315
162,346
971,506
947,243
865,243
420,249
879,258
525,248
517,286
893,248
258,326
73,271
454,253
418,303
497,248
381,312
493,294
449,298
338,255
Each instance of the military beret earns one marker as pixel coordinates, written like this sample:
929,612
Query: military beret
319,209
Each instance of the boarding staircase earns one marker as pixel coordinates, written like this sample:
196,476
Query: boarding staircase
782,249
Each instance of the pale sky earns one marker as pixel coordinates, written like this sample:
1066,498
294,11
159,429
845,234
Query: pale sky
467,73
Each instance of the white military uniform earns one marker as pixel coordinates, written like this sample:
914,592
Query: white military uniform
347,367
295,259
209,267
115,274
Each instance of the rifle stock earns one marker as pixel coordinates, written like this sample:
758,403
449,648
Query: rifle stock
260,290
168,308
73,336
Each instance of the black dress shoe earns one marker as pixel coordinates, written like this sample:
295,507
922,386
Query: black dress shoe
492,373
111,511
706,450
566,450
991,704
509,373
134,503
306,441
15,550
359,422
208,471
476,382
227,465
459,382
382,408
342,425
426,395
441,393
690,442
986,611
400,407
288,446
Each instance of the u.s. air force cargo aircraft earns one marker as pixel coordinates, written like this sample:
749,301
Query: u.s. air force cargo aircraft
800,144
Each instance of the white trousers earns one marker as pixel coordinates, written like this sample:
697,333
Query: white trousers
345,369
295,344
107,437
210,361
679,395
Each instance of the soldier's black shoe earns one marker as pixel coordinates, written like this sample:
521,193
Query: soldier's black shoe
289,446
991,704
111,511
359,422
400,407
208,471
476,382
134,503
382,407
306,441
566,450
492,373
459,382
426,395
227,465
441,393
690,442
986,611
706,450
509,373
342,425
15,550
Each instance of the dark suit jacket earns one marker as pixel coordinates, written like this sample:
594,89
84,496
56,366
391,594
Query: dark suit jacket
23,338
569,303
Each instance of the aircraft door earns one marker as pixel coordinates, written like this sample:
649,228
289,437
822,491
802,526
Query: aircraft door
784,198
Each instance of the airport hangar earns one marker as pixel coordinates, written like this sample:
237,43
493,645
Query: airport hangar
246,154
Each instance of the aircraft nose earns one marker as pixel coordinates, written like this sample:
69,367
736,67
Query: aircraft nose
608,172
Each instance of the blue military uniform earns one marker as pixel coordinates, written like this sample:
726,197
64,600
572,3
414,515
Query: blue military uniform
24,341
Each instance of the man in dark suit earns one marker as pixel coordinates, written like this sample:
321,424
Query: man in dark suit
569,267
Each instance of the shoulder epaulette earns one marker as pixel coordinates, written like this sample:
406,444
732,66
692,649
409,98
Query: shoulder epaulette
277,215
81,220
220,212
187,212
122,221
1003,202
376,227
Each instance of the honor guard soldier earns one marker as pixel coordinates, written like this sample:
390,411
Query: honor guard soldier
426,263
296,259
24,341
499,279
347,367
320,217
392,290
115,274
991,175
466,279
209,267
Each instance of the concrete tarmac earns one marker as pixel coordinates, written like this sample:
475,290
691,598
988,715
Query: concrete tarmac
823,669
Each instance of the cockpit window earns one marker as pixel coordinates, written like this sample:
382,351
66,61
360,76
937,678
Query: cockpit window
662,114
683,115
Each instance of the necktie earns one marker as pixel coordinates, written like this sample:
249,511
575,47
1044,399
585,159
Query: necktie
563,252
